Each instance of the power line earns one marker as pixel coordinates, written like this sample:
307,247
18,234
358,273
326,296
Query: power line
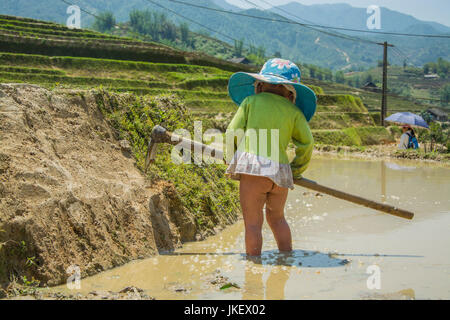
339,35
190,20
195,22
85,11
402,53
401,57
308,25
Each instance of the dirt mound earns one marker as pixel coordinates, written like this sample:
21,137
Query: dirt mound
70,192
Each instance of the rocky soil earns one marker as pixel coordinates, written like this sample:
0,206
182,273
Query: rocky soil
70,191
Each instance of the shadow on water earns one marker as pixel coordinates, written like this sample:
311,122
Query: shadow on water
303,258
299,258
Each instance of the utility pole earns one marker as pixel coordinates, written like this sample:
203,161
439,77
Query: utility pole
384,90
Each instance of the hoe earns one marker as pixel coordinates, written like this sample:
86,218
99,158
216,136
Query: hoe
161,135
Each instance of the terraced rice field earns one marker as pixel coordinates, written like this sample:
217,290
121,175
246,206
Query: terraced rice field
59,58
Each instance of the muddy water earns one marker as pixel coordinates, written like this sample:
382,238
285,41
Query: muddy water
335,242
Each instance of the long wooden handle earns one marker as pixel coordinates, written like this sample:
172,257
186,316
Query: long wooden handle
160,135
306,183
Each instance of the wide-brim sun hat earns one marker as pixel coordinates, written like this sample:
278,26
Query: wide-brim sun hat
275,71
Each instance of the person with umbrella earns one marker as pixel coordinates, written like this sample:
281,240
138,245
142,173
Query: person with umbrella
408,139
408,119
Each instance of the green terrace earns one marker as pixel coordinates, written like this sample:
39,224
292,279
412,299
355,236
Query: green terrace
63,59
340,119
34,37
371,100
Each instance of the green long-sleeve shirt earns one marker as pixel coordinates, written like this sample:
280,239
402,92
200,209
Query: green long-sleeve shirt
270,111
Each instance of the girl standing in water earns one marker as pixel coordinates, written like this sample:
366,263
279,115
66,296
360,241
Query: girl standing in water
273,109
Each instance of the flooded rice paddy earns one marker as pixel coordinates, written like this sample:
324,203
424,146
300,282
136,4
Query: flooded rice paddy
341,250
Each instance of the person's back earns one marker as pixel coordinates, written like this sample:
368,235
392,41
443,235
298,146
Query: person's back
268,111
273,109
412,140
405,138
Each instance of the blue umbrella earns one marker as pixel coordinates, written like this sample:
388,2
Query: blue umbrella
408,118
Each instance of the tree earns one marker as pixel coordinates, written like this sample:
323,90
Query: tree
105,21
442,67
357,82
426,116
339,77
328,74
184,31
261,53
445,94
253,50
312,71
238,47
436,134
154,24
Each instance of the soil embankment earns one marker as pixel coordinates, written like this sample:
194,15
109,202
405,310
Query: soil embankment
72,194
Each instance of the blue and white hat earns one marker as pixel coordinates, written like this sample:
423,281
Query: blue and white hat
275,71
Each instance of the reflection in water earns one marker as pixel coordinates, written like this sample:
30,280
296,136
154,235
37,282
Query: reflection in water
279,273
254,286
395,166
383,180
304,258
392,166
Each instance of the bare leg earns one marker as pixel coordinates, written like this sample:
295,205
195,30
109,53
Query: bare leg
253,194
276,200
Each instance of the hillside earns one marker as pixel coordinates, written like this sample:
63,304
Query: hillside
24,35
347,16
409,82
74,63
292,41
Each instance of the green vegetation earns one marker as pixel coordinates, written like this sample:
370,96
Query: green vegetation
441,67
204,191
437,139
359,136
335,137
373,135
105,21
372,100
422,155
413,83
27,37
291,41
345,115
445,93
150,25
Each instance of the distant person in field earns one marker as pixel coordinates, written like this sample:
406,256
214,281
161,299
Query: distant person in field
275,108
408,139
